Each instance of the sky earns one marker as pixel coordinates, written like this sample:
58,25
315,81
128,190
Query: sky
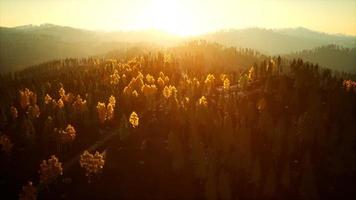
183,17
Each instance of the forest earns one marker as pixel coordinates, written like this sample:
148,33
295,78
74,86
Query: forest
195,121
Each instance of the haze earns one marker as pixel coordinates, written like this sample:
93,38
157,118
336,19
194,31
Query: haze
183,17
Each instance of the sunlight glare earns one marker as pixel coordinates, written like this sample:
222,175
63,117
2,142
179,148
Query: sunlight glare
170,16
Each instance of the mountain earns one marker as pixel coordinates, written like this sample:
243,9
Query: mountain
330,56
279,41
337,39
27,45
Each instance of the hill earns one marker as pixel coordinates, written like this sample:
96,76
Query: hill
330,56
336,39
28,45
279,41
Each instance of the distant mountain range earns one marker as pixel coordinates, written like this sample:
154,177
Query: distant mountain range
27,45
279,41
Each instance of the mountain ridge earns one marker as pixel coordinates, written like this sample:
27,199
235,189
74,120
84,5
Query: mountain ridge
330,56
26,45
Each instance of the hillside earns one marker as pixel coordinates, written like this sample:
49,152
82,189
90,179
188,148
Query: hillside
331,56
27,45
197,121
336,39
279,41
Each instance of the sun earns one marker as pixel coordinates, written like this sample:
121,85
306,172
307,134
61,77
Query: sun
170,16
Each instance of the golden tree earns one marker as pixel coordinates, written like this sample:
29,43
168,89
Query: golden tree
49,170
47,99
62,92
110,111
203,101
349,85
66,136
134,120
60,104
160,82
27,97
93,164
115,78
167,92
101,108
79,104
112,100
226,84
210,80
106,112
135,93
150,79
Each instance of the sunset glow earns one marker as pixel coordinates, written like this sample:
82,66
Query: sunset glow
183,17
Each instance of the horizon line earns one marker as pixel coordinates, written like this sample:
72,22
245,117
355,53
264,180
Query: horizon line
178,35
